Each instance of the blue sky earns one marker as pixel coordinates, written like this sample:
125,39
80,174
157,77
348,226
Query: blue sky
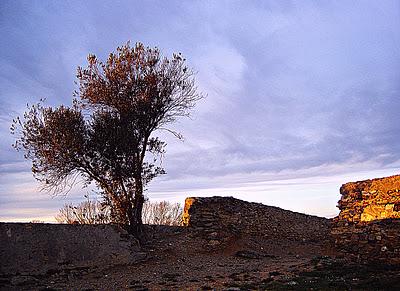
302,96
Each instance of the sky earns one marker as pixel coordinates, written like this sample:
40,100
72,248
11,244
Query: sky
301,96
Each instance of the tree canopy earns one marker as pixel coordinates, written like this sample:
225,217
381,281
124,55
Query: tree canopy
106,136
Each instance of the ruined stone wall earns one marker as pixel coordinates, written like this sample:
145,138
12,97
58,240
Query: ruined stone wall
221,218
368,224
376,240
40,248
370,200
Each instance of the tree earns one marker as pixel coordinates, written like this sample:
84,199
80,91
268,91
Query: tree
86,212
106,136
162,213
94,212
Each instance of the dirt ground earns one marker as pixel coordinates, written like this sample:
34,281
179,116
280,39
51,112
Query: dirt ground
177,258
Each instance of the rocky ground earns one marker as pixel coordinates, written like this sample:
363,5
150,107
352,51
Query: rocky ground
180,258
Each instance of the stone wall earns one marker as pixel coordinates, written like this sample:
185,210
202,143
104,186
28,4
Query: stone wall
376,240
221,218
370,200
30,248
368,224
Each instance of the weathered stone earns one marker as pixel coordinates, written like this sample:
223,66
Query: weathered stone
370,200
213,234
40,248
368,224
248,255
214,242
226,218
23,280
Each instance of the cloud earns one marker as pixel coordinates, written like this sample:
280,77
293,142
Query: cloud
294,89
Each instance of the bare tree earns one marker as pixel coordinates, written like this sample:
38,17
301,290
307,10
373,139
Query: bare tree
86,212
94,212
162,213
66,214
106,136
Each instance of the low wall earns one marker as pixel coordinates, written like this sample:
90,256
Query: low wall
30,248
220,218
377,240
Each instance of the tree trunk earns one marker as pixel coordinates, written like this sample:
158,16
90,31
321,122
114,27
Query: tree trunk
136,223
129,214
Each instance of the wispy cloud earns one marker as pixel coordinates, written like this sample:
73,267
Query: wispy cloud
295,90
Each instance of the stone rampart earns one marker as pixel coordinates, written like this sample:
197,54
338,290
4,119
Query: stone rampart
368,224
370,200
221,218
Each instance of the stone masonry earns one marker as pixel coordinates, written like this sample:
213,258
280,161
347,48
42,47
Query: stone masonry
223,218
370,200
368,225
37,248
